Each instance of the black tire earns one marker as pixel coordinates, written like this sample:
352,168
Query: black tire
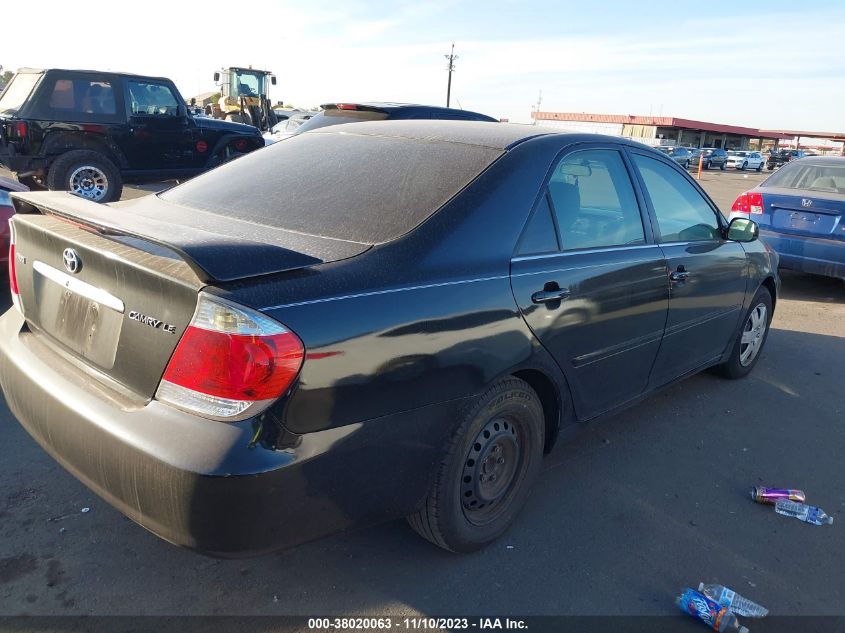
770,167
759,167
686,165
735,366
34,183
723,166
94,173
464,511
744,166
707,164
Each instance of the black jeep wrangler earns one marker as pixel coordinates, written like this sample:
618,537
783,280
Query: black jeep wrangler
88,132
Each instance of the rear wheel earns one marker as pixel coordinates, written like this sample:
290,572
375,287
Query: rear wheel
707,164
751,338
686,165
86,173
487,472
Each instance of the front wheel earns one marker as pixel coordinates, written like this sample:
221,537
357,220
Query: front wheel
723,166
751,338
686,165
87,174
707,164
760,167
486,474
744,166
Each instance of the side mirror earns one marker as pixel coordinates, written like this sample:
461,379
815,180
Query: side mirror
216,77
273,79
743,230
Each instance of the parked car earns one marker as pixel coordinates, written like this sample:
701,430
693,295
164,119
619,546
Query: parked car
6,212
89,132
801,213
781,157
712,157
742,160
680,155
286,128
336,113
327,333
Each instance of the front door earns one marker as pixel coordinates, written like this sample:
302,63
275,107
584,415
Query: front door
589,280
160,134
707,273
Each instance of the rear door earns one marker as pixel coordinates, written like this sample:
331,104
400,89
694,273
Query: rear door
589,280
707,274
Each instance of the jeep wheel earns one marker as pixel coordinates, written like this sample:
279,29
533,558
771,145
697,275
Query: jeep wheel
87,174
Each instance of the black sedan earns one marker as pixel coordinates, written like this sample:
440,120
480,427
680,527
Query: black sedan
365,322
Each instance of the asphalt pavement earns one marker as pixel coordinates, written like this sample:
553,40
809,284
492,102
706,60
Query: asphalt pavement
624,515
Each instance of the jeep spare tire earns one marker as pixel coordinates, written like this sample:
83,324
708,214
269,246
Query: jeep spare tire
87,174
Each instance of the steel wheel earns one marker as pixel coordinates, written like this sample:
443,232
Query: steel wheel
89,182
489,471
753,333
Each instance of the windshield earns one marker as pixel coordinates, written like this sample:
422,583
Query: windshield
17,92
245,83
810,176
359,188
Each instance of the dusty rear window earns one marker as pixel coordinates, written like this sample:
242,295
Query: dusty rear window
366,189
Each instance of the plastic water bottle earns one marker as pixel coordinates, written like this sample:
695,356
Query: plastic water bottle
708,611
733,601
803,512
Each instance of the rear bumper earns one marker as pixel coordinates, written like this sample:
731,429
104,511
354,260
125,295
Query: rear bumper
818,256
206,485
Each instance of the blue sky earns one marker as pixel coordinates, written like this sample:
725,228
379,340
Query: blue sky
764,64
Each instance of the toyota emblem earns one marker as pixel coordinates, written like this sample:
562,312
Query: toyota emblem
71,260
806,202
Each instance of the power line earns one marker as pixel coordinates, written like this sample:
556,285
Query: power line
451,67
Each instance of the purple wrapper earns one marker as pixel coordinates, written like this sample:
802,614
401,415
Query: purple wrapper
772,495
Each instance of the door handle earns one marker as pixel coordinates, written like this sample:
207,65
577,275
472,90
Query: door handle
544,296
679,275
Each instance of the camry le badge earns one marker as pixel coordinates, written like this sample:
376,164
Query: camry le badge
806,202
71,260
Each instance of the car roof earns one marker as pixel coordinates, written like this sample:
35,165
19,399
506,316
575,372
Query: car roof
499,136
100,73
389,106
822,160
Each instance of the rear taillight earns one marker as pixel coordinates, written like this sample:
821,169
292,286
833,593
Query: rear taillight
346,106
750,202
17,129
231,363
13,273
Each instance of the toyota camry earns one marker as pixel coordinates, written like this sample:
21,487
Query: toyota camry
367,321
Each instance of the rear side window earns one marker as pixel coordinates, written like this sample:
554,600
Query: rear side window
594,202
17,92
683,215
359,188
539,235
83,96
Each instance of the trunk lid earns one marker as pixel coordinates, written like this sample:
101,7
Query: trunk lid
116,286
807,213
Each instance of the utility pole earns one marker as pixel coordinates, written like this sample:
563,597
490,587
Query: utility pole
537,107
451,57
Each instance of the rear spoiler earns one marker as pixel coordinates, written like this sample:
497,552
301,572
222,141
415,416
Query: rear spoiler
217,248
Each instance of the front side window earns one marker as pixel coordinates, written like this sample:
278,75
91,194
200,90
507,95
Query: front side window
683,215
593,201
150,99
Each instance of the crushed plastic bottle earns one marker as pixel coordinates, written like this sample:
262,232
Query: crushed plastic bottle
773,495
803,512
708,611
733,601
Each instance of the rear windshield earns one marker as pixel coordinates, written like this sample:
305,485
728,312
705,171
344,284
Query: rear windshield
816,177
17,92
333,117
367,189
